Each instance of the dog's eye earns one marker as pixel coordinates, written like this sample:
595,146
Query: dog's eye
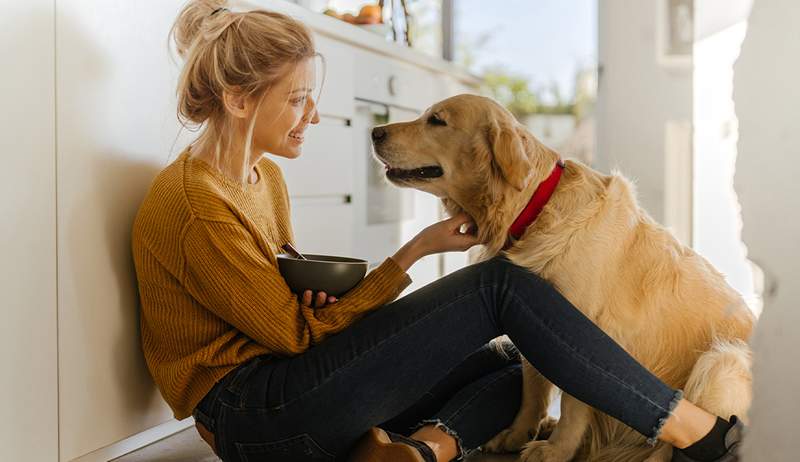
435,120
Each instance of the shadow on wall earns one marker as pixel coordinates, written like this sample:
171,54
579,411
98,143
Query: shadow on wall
99,192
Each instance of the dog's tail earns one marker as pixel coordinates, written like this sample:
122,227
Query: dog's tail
720,382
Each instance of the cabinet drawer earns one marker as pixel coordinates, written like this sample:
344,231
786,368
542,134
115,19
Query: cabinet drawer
393,82
326,165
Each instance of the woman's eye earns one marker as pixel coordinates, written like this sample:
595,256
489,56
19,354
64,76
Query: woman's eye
435,120
299,101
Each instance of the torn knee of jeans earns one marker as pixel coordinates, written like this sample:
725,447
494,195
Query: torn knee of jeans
437,423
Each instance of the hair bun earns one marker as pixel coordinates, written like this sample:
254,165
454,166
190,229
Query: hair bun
190,21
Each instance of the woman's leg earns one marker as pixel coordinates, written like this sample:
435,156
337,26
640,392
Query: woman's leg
492,358
331,394
475,414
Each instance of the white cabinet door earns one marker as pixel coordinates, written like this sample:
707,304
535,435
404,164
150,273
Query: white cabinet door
325,168
323,225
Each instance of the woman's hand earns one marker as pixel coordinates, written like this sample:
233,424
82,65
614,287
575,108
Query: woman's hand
320,300
446,235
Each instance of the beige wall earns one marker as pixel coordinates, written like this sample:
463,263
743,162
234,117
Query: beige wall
28,381
116,128
767,97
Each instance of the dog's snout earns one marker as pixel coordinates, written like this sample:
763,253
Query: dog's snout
379,134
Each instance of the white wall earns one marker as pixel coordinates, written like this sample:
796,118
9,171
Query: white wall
717,220
636,98
767,97
28,381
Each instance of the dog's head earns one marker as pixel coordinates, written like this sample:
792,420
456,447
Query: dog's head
468,150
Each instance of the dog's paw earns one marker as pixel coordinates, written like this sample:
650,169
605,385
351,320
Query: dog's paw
542,451
546,427
509,440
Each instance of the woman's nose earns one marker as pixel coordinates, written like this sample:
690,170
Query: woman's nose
312,111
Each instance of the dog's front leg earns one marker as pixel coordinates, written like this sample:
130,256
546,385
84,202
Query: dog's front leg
536,394
566,437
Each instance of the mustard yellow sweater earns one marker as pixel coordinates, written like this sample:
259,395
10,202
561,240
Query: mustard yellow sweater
210,291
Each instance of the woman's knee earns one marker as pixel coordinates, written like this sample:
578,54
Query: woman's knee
501,270
504,350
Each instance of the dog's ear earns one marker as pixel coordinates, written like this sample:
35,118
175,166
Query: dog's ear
509,154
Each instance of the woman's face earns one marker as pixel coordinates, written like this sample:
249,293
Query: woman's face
286,111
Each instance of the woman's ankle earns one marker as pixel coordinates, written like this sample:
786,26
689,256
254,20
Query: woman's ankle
687,425
443,445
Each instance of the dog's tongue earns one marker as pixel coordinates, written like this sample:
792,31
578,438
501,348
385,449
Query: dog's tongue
422,172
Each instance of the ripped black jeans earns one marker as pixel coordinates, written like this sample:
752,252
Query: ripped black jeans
424,358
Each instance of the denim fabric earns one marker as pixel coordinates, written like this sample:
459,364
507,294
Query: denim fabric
425,356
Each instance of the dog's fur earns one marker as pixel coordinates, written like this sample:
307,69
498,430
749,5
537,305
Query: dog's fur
661,301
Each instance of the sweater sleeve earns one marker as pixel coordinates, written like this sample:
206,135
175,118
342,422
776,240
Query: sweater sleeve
228,272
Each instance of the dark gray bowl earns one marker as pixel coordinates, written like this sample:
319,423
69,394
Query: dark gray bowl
328,273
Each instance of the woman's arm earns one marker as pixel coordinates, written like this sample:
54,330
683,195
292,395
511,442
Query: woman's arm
229,273
443,236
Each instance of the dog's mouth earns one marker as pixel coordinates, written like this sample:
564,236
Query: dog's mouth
419,173
410,174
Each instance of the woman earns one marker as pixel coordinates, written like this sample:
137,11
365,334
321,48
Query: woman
276,377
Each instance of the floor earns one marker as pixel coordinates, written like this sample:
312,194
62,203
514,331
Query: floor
186,446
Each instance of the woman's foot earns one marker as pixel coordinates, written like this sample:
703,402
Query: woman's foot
725,445
379,445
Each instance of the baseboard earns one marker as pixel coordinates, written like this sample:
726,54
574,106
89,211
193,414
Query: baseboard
137,441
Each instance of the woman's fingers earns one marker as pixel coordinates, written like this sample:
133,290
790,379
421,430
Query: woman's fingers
462,220
321,297
319,300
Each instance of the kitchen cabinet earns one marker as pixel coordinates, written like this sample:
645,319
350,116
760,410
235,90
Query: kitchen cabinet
326,165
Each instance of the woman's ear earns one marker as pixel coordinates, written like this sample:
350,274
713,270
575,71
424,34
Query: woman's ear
509,155
235,104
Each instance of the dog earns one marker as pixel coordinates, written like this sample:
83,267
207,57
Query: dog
662,302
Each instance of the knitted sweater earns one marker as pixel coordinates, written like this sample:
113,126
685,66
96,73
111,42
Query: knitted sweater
211,294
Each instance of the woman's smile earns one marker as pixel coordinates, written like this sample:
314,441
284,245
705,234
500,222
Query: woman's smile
297,136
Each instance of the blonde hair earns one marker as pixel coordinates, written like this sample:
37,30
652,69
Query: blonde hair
239,53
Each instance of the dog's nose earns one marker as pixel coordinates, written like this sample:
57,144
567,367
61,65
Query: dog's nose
378,134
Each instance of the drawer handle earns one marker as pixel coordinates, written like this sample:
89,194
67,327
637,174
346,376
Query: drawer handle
392,85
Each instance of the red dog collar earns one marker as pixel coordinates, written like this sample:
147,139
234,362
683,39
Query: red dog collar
539,199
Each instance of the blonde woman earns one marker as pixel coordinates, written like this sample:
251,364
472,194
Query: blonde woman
270,375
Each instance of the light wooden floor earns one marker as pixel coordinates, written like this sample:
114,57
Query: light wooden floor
186,446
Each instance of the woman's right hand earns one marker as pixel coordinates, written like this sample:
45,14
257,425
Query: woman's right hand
446,235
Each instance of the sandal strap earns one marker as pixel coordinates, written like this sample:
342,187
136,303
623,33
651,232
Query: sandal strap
424,449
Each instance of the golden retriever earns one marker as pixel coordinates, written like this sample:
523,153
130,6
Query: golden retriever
661,301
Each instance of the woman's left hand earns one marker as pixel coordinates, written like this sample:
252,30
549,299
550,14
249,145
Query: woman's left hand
320,300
